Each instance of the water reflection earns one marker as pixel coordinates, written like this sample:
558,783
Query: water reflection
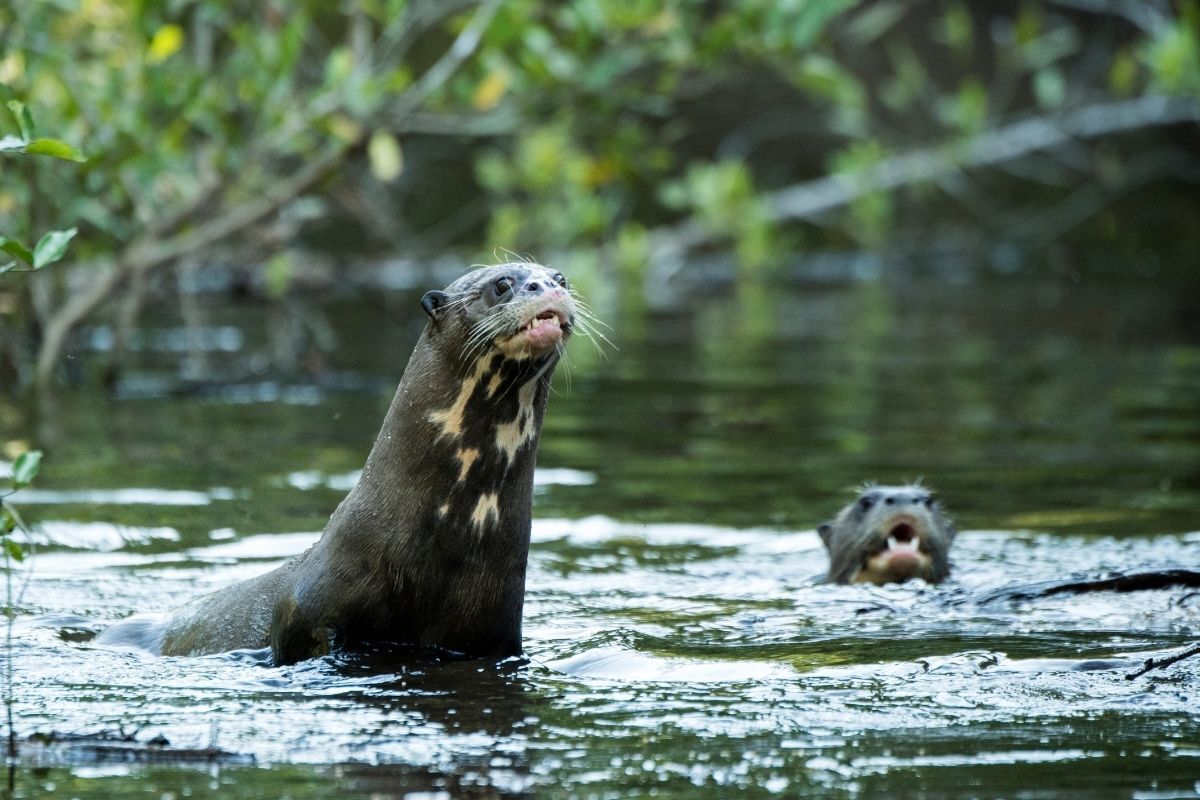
678,638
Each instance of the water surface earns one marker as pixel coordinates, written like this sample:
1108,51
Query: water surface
678,642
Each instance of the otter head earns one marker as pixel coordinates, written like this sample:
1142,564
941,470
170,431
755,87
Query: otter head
889,535
523,312
489,350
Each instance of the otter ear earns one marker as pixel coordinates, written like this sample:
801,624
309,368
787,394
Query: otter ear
432,302
825,531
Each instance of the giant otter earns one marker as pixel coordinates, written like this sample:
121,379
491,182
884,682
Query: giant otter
430,547
888,535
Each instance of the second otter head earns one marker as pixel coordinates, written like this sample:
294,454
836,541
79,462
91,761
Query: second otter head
889,534
521,310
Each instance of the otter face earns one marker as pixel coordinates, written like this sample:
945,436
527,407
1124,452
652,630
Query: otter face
889,535
524,311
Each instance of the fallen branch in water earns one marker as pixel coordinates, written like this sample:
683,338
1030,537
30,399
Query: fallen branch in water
1151,663
1118,582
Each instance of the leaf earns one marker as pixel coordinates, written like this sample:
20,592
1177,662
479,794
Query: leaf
25,468
6,267
16,249
14,550
52,247
490,90
166,42
8,523
24,119
54,148
387,159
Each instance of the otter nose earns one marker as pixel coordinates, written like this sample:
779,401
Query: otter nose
540,286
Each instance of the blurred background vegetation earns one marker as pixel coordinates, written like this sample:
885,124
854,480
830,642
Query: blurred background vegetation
266,148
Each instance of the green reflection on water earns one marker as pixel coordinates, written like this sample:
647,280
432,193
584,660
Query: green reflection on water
1027,404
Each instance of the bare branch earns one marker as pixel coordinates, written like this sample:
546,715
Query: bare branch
1167,661
810,200
994,147
459,51
148,252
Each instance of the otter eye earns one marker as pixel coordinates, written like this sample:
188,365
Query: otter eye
560,279
504,285
865,503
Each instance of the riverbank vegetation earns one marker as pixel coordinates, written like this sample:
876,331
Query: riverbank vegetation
622,136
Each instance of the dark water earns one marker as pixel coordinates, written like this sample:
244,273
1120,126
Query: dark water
677,643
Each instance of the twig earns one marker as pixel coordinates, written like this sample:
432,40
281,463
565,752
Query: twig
460,50
1150,664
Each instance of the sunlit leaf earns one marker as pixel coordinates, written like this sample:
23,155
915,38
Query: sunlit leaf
52,247
54,148
16,249
490,90
25,468
166,42
12,143
387,160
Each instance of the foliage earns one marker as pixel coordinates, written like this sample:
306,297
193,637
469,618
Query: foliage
241,130
51,246
24,470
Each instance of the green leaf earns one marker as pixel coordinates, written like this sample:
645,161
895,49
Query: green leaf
8,523
52,247
54,148
6,267
23,117
16,249
25,468
14,550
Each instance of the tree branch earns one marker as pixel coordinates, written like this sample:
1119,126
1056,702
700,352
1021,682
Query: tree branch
807,201
993,147
1166,661
150,250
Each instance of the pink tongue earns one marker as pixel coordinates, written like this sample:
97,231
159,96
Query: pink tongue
903,561
543,333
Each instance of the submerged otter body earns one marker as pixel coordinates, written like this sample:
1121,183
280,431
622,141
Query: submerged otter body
889,534
430,547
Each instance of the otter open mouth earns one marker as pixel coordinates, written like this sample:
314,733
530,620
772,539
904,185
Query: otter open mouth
902,536
545,320
542,332
898,554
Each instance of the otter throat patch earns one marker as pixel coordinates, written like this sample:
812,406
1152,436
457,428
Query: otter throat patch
450,419
512,436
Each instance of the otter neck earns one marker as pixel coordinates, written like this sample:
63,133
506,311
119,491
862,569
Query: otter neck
454,459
